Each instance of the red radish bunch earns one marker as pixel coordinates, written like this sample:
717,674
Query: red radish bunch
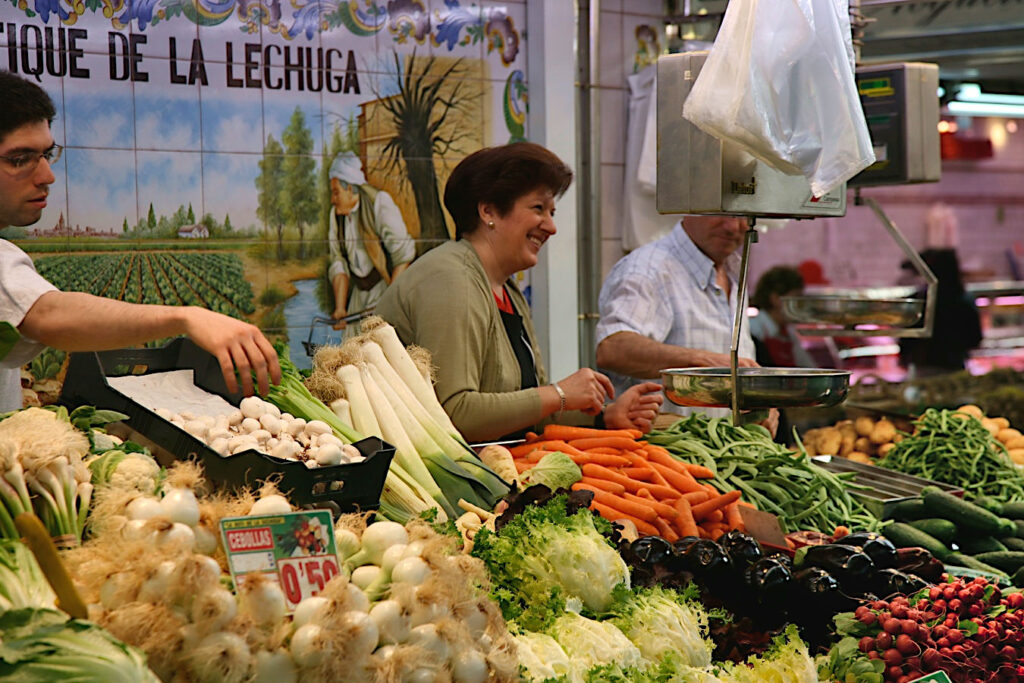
967,629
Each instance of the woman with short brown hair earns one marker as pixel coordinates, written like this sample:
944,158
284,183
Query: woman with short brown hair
460,302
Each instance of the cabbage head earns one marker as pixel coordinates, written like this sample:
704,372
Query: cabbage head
554,470
660,621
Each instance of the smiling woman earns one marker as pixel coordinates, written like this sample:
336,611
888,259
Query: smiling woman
460,302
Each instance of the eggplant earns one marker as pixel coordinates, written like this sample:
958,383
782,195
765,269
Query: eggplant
891,581
880,549
648,551
743,550
816,582
706,559
784,559
920,563
767,576
853,569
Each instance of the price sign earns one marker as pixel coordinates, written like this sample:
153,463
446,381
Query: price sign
937,677
297,549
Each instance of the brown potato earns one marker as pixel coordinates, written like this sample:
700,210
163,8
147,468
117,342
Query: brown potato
857,456
830,442
1001,422
1017,456
971,409
884,449
1005,436
864,425
864,445
1015,443
883,432
990,425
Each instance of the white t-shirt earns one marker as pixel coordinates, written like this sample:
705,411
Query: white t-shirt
20,287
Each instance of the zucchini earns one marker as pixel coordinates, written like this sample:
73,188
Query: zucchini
1019,523
942,529
1013,510
908,510
1013,543
1009,561
1018,577
975,545
990,504
966,514
960,560
905,536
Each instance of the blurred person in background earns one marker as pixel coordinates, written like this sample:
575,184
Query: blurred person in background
957,325
775,340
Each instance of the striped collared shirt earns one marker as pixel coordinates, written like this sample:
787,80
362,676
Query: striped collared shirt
666,291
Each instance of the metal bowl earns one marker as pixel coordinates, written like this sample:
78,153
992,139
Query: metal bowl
850,311
759,387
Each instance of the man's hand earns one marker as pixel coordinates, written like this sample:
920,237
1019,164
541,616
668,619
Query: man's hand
339,315
771,423
636,408
707,359
237,345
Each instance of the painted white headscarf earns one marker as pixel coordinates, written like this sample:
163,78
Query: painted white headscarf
347,168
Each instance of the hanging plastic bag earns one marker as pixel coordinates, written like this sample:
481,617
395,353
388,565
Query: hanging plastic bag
779,82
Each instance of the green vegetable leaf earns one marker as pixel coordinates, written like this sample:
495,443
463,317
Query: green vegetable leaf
968,627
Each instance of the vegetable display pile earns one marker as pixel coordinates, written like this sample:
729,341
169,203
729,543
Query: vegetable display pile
956,448
772,478
635,482
372,383
860,440
967,629
566,594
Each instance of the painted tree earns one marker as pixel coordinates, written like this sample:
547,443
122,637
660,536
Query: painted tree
270,191
151,219
124,226
427,99
191,217
299,168
227,224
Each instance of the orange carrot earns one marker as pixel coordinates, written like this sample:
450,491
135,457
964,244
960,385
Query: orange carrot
684,521
702,510
631,485
717,533
684,483
523,465
625,443
599,459
663,510
714,517
568,433
702,532
657,454
522,450
666,531
746,504
611,514
699,471
732,517
641,473
607,451
640,510
603,484
696,497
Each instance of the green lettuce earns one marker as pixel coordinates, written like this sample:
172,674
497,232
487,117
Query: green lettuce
590,643
786,661
555,470
22,583
660,621
541,658
544,556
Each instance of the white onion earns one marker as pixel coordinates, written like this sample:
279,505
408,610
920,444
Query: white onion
180,505
206,541
411,570
420,675
426,636
263,600
117,590
391,623
365,575
274,667
308,610
136,530
177,535
143,508
357,600
271,505
392,556
158,585
307,646
473,617
213,609
469,666
221,657
362,633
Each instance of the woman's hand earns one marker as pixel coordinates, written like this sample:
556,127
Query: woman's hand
586,390
636,408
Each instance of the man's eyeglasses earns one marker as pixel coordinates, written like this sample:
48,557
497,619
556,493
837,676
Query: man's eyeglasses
23,162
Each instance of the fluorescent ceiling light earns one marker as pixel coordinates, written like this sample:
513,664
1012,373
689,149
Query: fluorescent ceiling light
1011,111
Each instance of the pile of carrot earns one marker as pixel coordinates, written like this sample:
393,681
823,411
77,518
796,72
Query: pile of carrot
639,482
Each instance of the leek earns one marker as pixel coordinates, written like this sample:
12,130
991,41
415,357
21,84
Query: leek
292,396
393,432
358,401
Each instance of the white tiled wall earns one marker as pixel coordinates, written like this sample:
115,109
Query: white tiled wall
986,197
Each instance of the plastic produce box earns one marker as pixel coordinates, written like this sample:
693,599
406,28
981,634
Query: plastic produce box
350,486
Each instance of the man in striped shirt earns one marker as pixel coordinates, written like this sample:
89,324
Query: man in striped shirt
672,303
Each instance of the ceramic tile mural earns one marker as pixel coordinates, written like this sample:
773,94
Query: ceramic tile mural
202,138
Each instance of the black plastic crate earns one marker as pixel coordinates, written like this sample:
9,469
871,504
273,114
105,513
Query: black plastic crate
358,485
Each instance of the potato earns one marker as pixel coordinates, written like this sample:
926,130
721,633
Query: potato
990,425
1001,422
857,456
971,409
830,442
864,445
864,425
897,438
846,445
1005,436
883,432
1015,443
1017,456
884,449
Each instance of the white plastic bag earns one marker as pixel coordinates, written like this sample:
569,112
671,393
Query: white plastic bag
779,82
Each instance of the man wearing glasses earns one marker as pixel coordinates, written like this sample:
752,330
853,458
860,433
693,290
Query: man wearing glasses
75,321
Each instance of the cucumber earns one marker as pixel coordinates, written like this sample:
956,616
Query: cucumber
905,536
909,510
1013,510
1019,523
975,545
1018,577
1009,561
960,560
1013,543
942,529
968,515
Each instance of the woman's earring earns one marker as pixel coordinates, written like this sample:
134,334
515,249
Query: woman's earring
490,224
